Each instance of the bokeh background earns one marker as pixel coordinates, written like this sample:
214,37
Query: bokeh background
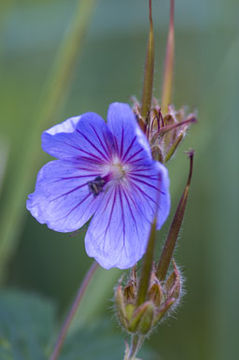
110,68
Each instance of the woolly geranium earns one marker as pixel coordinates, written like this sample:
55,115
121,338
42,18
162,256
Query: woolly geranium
104,172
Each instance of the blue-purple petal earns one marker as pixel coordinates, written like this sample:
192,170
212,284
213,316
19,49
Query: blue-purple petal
130,140
117,234
164,196
62,199
67,126
124,210
85,137
119,231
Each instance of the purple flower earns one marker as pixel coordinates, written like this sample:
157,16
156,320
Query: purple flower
104,171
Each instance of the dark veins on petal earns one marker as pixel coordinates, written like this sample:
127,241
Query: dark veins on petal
129,148
96,158
91,143
69,192
133,155
122,143
130,209
122,214
137,207
144,194
101,143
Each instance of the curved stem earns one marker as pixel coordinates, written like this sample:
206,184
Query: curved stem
75,305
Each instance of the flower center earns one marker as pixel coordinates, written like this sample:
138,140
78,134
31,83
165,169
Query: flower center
118,170
115,171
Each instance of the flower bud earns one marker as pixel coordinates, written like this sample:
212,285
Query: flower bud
147,319
161,298
156,293
164,132
173,283
120,305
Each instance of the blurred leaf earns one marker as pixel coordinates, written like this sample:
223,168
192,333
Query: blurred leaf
97,342
100,342
26,324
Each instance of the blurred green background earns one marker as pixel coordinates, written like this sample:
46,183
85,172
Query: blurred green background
110,68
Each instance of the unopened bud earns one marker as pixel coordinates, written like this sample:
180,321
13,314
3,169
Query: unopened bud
130,288
156,293
146,322
161,298
137,317
120,306
164,310
173,283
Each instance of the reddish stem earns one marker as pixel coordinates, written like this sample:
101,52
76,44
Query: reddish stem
70,316
171,240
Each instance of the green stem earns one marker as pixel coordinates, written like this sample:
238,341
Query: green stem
169,61
54,95
149,70
70,316
136,343
147,266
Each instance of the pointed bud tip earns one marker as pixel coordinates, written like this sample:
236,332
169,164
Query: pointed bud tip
190,153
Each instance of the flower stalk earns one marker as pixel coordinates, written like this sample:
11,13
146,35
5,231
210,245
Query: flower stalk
137,340
71,314
136,343
147,266
149,71
169,62
171,240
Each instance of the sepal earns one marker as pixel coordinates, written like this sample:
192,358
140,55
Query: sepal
162,297
164,131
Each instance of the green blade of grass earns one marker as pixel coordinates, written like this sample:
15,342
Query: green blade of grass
55,93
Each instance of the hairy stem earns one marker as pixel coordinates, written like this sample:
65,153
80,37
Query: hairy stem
136,343
171,240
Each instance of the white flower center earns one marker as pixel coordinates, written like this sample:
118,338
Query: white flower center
116,169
